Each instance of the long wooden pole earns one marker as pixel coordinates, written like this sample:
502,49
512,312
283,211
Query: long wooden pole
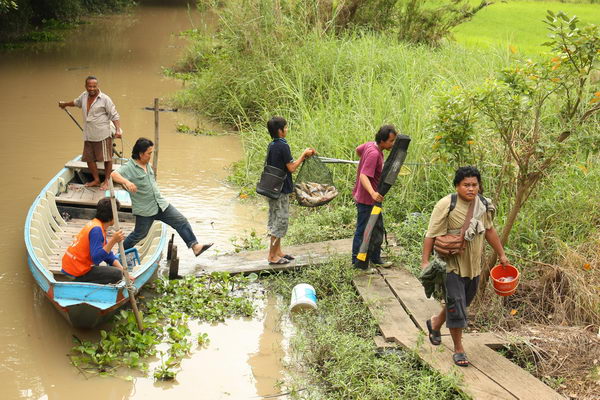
134,306
155,159
115,212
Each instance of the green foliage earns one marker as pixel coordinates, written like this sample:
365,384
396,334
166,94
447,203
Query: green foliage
34,20
334,351
537,114
210,298
453,127
183,128
248,242
7,5
428,22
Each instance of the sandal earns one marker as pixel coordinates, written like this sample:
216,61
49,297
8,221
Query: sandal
460,359
435,337
280,261
288,257
203,249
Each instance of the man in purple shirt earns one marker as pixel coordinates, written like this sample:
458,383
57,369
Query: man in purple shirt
365,189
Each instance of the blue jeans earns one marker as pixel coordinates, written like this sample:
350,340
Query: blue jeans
171,217
362,217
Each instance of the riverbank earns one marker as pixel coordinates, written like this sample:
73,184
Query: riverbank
127,53
26,21
336,89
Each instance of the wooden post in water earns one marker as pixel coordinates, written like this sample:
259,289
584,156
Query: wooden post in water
155,159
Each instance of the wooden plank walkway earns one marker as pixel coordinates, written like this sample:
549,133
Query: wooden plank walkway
256,261
397,301
306,254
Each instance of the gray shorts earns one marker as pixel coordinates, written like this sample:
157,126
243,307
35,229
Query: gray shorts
460,292
279,215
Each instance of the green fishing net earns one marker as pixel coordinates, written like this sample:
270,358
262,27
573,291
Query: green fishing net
314,184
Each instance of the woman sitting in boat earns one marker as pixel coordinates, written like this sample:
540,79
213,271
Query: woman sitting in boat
90,247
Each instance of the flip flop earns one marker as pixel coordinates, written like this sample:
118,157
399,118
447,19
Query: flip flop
435,337
281,261
203,249
460,359
288,257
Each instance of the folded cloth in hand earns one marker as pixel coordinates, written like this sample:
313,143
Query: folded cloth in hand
432,278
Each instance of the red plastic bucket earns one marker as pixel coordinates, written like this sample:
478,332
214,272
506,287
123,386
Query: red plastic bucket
505,279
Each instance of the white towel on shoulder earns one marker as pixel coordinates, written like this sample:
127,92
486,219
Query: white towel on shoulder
477,226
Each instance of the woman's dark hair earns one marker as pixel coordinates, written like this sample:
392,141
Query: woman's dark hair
384,133
467,172
274,125
140,146
104,209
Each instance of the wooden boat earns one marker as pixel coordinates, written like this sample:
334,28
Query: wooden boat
57,214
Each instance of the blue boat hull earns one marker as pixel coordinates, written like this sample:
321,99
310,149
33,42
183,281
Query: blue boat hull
86,305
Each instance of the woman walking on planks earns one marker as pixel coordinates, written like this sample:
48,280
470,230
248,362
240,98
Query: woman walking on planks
469,210
279,155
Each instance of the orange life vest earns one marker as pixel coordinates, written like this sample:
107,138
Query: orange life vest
77,260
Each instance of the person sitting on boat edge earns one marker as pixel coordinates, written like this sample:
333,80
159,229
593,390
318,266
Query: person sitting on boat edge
90,248
137,177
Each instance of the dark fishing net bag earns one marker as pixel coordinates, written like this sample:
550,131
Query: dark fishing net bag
314,184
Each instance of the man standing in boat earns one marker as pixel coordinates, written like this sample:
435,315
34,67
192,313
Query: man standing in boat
137,177
91,247
98,113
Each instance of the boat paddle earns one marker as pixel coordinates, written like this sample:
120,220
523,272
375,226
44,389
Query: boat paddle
73,118
128,284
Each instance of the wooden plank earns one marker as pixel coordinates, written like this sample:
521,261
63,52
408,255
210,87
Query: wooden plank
396,325
411,294
482,357
381,343
510,376
80,194
256,261
82,165
474,381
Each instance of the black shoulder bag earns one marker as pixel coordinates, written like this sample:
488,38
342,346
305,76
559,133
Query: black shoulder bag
271,180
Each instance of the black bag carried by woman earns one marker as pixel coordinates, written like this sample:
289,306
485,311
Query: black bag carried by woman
271,180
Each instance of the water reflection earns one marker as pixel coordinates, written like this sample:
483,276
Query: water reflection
127,53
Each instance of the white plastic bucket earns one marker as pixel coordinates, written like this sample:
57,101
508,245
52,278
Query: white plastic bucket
304,297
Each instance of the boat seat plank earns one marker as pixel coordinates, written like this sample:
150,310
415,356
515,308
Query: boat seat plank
83,166
66,237
80,194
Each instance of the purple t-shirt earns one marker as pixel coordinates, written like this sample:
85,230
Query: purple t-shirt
370,164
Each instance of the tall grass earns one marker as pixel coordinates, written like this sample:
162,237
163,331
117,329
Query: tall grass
337,89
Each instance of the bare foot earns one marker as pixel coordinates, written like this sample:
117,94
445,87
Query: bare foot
92,184
104,185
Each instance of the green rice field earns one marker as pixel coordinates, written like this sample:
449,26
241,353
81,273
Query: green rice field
516,25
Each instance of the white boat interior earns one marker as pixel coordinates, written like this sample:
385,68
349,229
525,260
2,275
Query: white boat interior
66,205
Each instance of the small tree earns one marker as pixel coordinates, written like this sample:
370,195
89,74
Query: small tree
540,111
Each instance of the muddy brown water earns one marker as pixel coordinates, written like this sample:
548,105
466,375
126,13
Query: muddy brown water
126,52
